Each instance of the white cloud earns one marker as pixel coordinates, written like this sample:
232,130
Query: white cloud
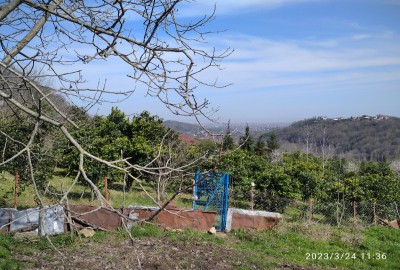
377,36
202,7
262,63
361,36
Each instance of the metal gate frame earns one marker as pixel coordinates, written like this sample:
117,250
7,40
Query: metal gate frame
211,193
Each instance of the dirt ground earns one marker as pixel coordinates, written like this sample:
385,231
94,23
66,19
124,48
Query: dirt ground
147,253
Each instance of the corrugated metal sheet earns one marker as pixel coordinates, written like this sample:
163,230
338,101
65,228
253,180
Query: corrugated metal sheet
53,220
28,220
25,220
5,218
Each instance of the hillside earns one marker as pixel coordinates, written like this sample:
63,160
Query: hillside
236,129
362,138
186,128
365,137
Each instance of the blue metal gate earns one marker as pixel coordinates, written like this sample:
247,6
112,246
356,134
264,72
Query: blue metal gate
211,192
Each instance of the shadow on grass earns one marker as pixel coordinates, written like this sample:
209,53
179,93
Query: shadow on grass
186,200
116,186
63,173
119,186
3,203
73,195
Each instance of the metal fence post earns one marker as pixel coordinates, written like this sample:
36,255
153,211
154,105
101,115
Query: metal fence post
225,203
196,180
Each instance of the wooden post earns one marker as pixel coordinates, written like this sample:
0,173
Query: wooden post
16,191
106,187
355,211
374,213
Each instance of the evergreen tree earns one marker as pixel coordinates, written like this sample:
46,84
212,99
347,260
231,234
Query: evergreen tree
272,143
261,147
247,141
228,142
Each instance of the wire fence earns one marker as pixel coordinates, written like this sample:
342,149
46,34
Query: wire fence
343,212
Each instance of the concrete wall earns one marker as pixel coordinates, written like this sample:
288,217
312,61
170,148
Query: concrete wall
249,219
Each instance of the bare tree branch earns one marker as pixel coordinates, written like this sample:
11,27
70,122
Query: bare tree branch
48,41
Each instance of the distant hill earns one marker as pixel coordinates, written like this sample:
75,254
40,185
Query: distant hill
193,130
237,129
182,126
364,137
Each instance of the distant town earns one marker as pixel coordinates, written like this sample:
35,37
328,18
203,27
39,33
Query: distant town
363,117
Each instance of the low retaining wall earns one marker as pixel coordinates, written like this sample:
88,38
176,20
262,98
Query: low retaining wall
176,218
55,221
259,220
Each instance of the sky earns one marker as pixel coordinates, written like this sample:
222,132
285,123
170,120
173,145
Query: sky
293,59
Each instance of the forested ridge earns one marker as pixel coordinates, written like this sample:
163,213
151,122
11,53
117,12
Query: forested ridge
362,138
359,138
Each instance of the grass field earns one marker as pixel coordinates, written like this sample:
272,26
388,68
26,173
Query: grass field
290,245
284,247
79,194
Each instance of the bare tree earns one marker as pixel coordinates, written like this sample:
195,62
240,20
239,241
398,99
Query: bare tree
307,140
395,164
326,150
49,40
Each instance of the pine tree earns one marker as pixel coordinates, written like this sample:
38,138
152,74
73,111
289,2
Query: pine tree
261,147
228,142
272,144
247,140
